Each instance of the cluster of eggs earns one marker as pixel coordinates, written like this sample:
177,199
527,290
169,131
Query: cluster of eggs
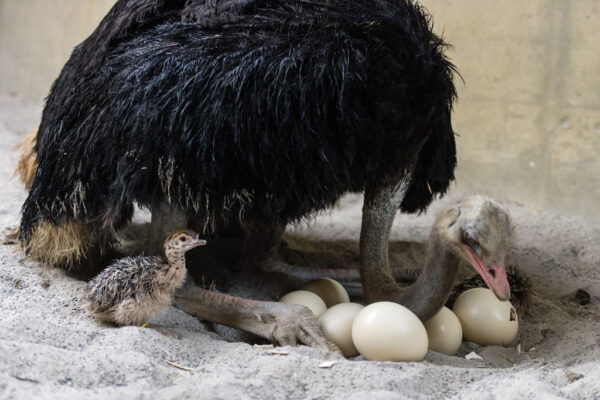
387,331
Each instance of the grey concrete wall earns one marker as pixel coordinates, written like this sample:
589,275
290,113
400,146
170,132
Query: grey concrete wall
529,111
528,114
36,39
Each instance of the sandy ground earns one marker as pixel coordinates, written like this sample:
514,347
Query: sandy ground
50,348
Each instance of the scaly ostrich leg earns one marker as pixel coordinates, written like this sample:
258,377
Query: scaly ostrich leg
282,324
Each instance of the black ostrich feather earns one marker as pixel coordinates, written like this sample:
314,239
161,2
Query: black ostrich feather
268,110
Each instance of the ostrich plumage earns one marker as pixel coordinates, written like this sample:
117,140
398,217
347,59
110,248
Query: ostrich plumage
265,110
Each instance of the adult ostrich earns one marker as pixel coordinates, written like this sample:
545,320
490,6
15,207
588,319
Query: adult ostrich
255,113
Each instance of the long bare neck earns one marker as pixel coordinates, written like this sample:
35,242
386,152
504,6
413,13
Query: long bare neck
431,289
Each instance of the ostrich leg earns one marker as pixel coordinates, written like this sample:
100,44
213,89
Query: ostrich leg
282,324
261,249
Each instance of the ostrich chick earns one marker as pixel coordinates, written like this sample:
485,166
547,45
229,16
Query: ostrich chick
132,289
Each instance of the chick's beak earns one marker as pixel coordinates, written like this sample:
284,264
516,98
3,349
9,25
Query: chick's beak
197,242
494,276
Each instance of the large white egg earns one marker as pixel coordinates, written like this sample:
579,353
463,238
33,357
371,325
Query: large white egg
387,331
336,325
306,298
332,292
444,332
485,319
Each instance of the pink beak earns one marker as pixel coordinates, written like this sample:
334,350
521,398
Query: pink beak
494,277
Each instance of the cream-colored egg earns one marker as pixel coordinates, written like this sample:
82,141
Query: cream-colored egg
444,332
336,325
306,298
485,319
387,331
332,292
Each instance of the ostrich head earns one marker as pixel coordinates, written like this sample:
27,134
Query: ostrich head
479,230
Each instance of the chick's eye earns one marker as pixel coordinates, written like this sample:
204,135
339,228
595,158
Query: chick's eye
182,239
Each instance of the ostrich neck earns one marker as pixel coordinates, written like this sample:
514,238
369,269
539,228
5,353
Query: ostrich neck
431,289
175,270
175,258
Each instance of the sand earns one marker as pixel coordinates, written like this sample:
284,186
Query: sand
51,348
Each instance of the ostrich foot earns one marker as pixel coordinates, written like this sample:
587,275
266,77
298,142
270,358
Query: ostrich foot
298,326
282,324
